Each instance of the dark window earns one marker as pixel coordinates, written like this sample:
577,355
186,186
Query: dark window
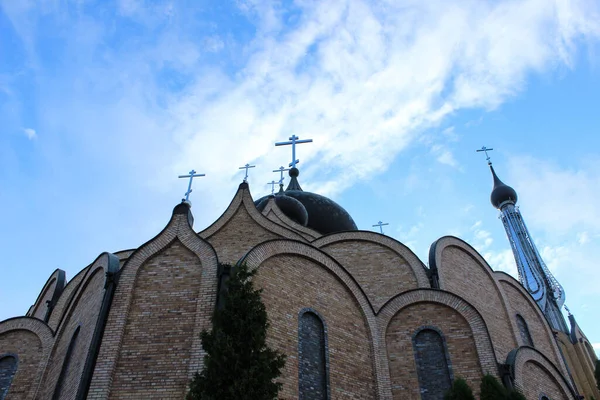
65,366
8,369
312,357
433,365
524,331
544,397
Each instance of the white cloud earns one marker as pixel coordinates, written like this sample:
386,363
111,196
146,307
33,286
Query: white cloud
30,133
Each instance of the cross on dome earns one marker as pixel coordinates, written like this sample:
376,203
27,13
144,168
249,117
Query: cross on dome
281,170
381,225
191,175
293,141
246,167
272,183
487,157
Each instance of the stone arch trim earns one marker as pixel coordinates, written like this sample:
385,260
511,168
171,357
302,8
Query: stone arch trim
435,253
178,228
57,278
243,198
481,336
306,232
400,249
44,334
518,357
504,277
266,250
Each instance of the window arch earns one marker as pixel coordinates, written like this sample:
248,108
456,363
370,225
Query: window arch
524,331
65,367
544,397
313,359
434,369
8,369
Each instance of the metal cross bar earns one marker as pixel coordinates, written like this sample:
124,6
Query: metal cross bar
272,183
246,167
381,225
281,170
191,175
487,157
293,141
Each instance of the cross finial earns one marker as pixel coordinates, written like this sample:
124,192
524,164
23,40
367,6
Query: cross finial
293,141
380,225
281,170
191,175
487,157
246,167
272,183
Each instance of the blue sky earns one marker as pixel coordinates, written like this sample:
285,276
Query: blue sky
104,103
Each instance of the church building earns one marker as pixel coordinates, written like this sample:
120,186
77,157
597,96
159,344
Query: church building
357,313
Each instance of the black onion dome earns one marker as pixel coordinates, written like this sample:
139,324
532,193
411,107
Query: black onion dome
323,215
501,192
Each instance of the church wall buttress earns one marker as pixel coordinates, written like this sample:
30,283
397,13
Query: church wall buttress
293,283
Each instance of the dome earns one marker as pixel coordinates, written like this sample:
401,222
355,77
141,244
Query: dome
323,214
501,192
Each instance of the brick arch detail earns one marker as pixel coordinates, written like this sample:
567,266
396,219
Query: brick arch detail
397,247
517,359
243,199
43,333
504,277
178,228
50,292
66,297
483,343
266,250
435,253
308,233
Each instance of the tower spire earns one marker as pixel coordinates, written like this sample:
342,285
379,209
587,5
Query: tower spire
534,275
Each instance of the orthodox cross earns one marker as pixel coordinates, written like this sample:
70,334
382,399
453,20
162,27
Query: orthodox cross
246,167
191,175
281,169
272,183
293,141
380,225
487,157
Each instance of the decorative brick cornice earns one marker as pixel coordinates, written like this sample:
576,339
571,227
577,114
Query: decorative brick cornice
243,198
178,228
395,246
519,357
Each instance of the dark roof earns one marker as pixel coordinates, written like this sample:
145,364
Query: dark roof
322,214
501,192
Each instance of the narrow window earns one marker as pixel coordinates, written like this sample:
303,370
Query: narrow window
544,397
312,357
433,364
524,331
65,367
8,369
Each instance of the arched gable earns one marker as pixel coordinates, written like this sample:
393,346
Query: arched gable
42,308
295,274
274,213
178,231
437,298
521,302
82,315
534,374
460,269
30,340
381,265
65,298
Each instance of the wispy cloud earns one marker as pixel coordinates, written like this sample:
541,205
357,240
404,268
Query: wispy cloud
30,133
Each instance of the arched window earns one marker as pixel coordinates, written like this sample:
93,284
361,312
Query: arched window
524,331
313,363
433,363
544,397
8,369
65,366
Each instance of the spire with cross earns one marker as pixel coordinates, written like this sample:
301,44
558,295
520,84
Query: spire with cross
293,141
246,167
487,156
380,225
191,175
281,171
272,183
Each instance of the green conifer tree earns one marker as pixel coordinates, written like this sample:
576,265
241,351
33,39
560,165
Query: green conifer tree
238,364
492,389
460,390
